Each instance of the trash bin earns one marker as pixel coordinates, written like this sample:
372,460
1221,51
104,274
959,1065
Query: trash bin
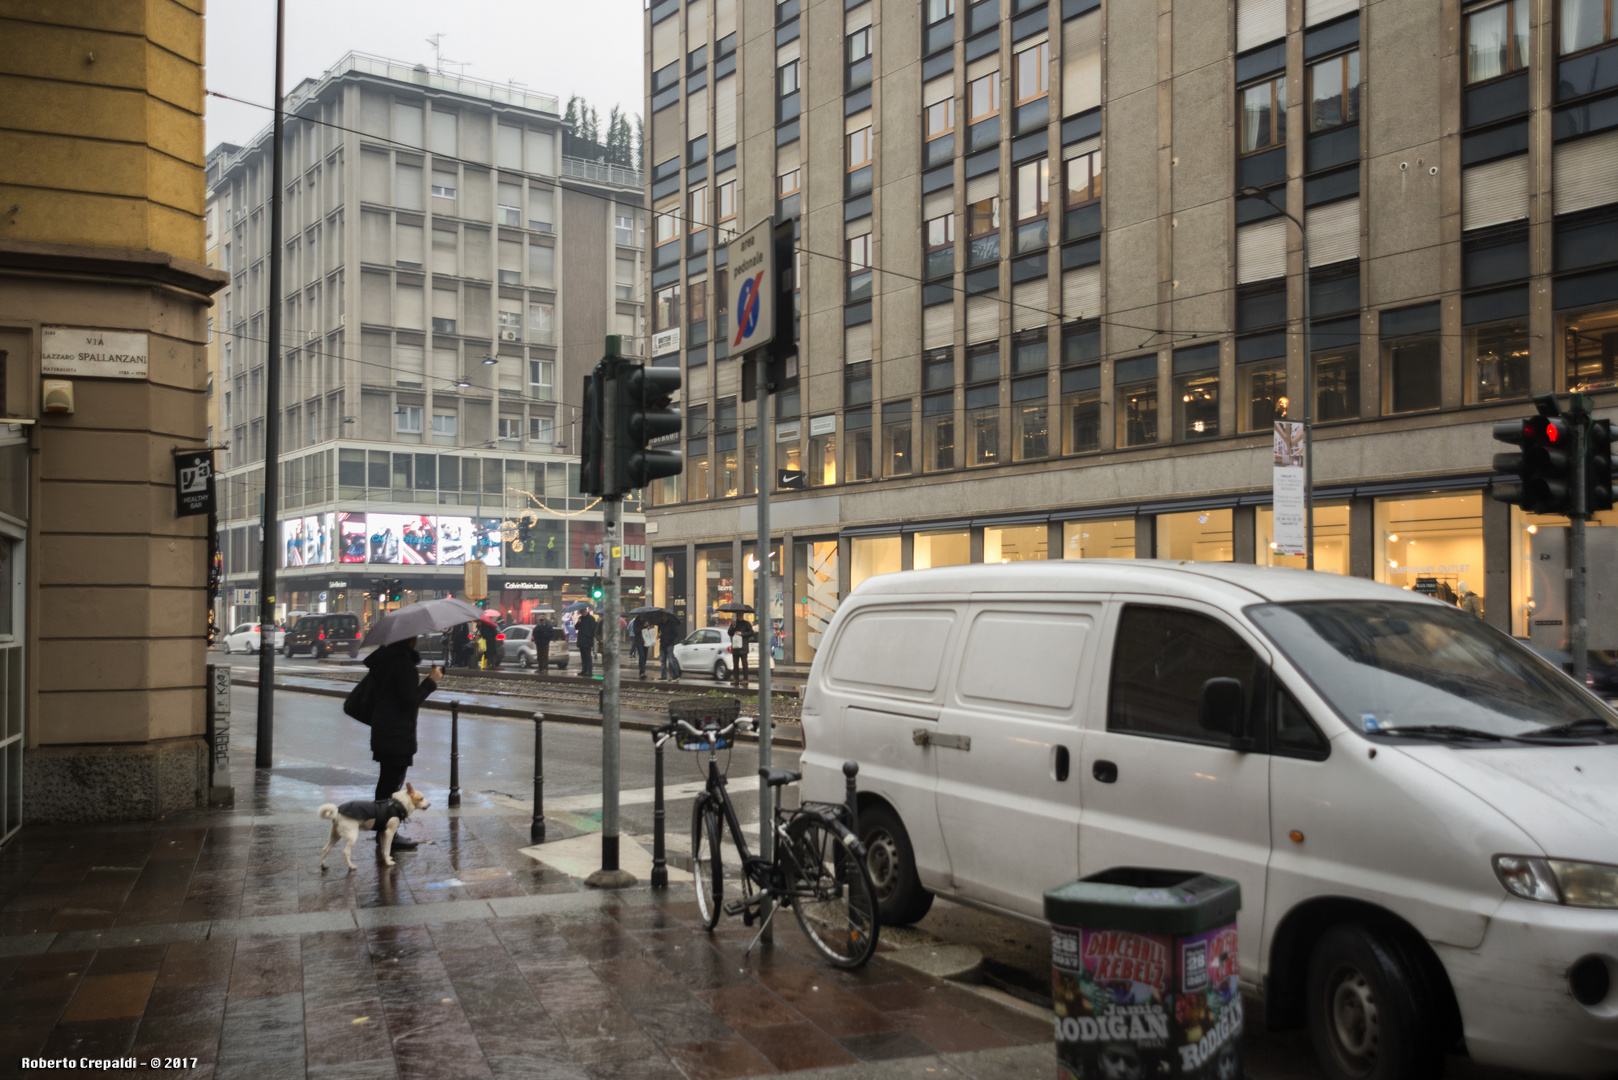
1144,976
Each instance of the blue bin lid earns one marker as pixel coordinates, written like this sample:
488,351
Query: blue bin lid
1146,901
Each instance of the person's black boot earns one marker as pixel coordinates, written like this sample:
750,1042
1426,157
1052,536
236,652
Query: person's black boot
401,842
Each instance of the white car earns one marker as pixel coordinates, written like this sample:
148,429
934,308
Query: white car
245,639
522,640
1422,814
708,650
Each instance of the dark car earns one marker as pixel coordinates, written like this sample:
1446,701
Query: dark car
1600,668
322,635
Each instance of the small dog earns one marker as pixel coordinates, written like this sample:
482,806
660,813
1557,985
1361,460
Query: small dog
348,819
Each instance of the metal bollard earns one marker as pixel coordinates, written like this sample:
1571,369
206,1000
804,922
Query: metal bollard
455,753
660,866
851,769
536,830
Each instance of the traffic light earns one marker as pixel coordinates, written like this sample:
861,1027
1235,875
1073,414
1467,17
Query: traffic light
396,590
591,459
646,412
1598,466
593,587
1544,466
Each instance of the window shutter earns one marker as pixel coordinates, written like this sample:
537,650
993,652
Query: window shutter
1320,10
982,319
724,18
938,330
1584,172
1081,63
1261,250
858,19
1081,293
724,113
1334,232
665,43
938,90
786,157
1260,21
1495,193
1030,302
982,187
696,113
938,204
665,134
857,343
696,23
788,53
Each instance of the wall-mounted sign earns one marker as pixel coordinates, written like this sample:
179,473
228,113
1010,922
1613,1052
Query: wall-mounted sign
823,425
336,584
193,483
535,585
788,432
96,354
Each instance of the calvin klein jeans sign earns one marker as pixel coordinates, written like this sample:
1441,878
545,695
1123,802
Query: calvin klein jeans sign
96,354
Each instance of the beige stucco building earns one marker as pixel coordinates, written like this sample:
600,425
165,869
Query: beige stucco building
1039,319
103,602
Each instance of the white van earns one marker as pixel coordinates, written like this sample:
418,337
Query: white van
1422,814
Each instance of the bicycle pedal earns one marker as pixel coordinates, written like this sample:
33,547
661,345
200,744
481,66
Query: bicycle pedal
736,907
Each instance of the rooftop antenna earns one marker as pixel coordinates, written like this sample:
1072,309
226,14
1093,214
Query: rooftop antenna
439,59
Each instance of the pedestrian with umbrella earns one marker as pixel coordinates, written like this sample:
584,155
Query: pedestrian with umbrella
645,633
584,631
741,636
396,694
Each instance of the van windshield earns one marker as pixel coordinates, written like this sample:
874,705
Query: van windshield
1390,665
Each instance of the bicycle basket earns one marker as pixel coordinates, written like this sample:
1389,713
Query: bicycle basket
701,711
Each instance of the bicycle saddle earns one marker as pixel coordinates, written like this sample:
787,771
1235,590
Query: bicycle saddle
776,777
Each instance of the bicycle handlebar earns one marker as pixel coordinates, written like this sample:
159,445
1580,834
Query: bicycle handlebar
674,727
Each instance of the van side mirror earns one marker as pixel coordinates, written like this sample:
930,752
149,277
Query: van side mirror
1220,707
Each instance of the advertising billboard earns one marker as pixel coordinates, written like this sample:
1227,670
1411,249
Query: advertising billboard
462,538
308,541
402,539
352,536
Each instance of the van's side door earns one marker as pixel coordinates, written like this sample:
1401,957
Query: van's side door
1007,748
1158,790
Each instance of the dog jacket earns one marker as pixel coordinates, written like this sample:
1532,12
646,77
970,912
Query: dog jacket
380,809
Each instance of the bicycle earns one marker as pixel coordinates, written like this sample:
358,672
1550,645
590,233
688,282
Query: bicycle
818,869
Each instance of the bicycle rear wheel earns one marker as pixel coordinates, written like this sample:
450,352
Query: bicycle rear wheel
832,894
706,871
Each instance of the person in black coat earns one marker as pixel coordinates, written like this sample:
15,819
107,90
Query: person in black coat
393,718
584,631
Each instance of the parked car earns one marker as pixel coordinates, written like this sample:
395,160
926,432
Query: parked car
526,642
322,635
1600,668
708,649
245,638
1422,813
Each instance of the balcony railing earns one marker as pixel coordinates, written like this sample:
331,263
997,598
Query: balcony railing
601,173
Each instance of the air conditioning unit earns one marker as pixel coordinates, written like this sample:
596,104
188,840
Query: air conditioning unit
508,335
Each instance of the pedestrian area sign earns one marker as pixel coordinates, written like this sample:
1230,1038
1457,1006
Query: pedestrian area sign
751,296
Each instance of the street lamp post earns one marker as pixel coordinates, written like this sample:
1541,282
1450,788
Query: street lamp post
1308,389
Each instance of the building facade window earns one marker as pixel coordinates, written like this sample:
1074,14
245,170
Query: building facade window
1590,349
983,231
623,230
938,10
983,425
407,419
1261,394
1584,24
1030,419
940,232
859,267
859,148
787,184
1033,68
896,446
1496,40
938,432
1135,401
1033,205
725,210
1334,92
1081,409
983,98
1109,538
1411,360
697,215
1336,348
1196,405
1263,115
938,119
1497,361
822,451
666,308
666,225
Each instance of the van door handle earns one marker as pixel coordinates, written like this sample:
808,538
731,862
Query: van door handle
1105,771
924,737
1061,764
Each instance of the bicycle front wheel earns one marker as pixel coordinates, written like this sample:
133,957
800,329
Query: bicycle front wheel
831,891
706,871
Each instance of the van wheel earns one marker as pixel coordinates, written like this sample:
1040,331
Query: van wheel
901,899
1371,1013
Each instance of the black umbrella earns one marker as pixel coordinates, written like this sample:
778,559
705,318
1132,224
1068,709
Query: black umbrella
655,612
735,609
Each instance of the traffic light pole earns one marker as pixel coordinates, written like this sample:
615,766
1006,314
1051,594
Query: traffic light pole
610,876
263,754
764,624
1578,625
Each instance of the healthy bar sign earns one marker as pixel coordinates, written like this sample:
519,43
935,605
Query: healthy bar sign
751,299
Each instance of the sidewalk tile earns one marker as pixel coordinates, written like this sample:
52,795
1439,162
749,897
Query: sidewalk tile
790,1047
109,997
884,1046
719,1059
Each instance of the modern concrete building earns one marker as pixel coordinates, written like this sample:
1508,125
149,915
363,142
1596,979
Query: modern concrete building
103,589
1038,318
450,276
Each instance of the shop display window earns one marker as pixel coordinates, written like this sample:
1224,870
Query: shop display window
870,556
1016,543
715,585
1431,543
814,595
773,613
1135,404
1197,536
1196,406
934,549
1103,538
1331,540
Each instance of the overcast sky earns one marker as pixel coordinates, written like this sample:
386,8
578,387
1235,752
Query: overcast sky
589,47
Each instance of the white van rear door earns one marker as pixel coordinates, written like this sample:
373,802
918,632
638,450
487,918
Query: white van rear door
1158,790
1007,749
